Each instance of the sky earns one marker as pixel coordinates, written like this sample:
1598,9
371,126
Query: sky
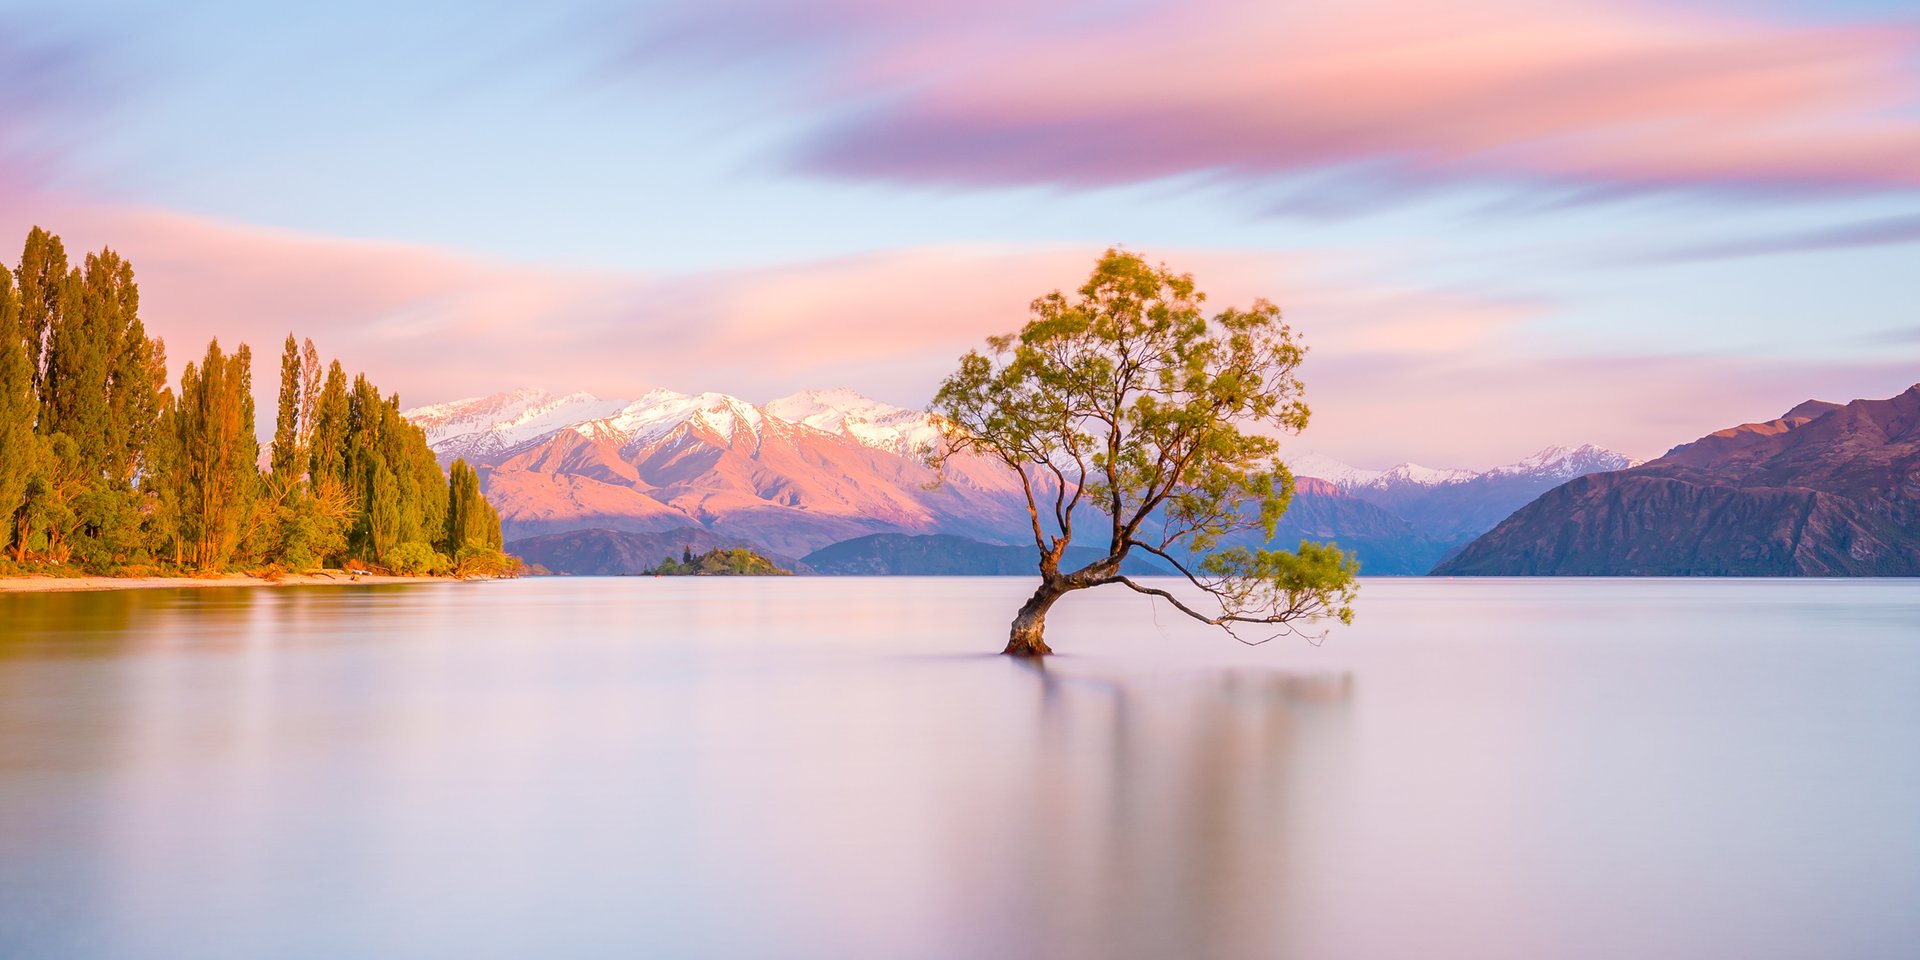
1497,224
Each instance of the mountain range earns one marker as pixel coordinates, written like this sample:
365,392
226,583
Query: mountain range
795,475
1826,489
589,484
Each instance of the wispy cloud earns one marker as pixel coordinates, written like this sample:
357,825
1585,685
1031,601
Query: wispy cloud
445,322
1571,93
1436,375
1873,232
50,86
1897,337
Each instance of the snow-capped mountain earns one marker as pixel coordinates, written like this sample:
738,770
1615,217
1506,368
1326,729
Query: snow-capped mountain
1565,463
487,426
1413,474
844,412
824,466
1454,506
795,475
660,413
1321,467
1557,463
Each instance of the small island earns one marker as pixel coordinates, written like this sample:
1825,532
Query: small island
718,562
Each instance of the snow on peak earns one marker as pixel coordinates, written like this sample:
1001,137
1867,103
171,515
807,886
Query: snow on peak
491,424
1553,463
473,413
837,400
1419,476
869,422
1322,467
660,412
1565,463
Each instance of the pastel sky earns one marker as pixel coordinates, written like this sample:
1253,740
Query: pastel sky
1498,224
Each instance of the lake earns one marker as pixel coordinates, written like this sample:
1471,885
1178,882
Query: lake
840,768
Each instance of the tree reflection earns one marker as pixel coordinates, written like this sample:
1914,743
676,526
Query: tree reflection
1171,816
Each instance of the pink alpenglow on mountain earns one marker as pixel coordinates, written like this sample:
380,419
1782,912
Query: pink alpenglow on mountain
799,473
822,467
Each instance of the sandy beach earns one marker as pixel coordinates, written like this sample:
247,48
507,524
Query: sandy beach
37,584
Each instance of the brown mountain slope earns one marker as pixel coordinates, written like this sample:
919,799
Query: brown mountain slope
1826,490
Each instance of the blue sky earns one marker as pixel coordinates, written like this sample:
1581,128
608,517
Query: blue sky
1624,223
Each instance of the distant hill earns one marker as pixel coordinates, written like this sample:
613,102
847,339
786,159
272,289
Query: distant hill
1824,490
1386,544
940,555
623,552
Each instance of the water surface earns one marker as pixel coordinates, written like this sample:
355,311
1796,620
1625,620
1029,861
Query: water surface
842,768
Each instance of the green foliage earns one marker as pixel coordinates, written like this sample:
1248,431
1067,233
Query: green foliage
1315,581
719,562
109,533
46,512
104,468
470,519
45,291
415,558
284,457
484,562
18,408
304,530
327,465
1128,398
380,524
216,473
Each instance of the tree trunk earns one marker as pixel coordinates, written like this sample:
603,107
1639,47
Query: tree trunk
1027,637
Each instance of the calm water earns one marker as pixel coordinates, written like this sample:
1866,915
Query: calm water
841,768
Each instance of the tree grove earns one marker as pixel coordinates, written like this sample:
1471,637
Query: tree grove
105,467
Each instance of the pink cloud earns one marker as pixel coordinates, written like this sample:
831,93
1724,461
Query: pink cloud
1481,408
1580,91
1395,372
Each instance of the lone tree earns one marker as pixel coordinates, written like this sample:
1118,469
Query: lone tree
1128,399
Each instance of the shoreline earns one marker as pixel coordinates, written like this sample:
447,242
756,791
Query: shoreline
48,584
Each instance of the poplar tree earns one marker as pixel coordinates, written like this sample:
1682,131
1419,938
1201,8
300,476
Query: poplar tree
465,521
18,406
217,453
127,394
102,465
80,343
328,463
310,382
42,280
137,383
381,522
285,452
